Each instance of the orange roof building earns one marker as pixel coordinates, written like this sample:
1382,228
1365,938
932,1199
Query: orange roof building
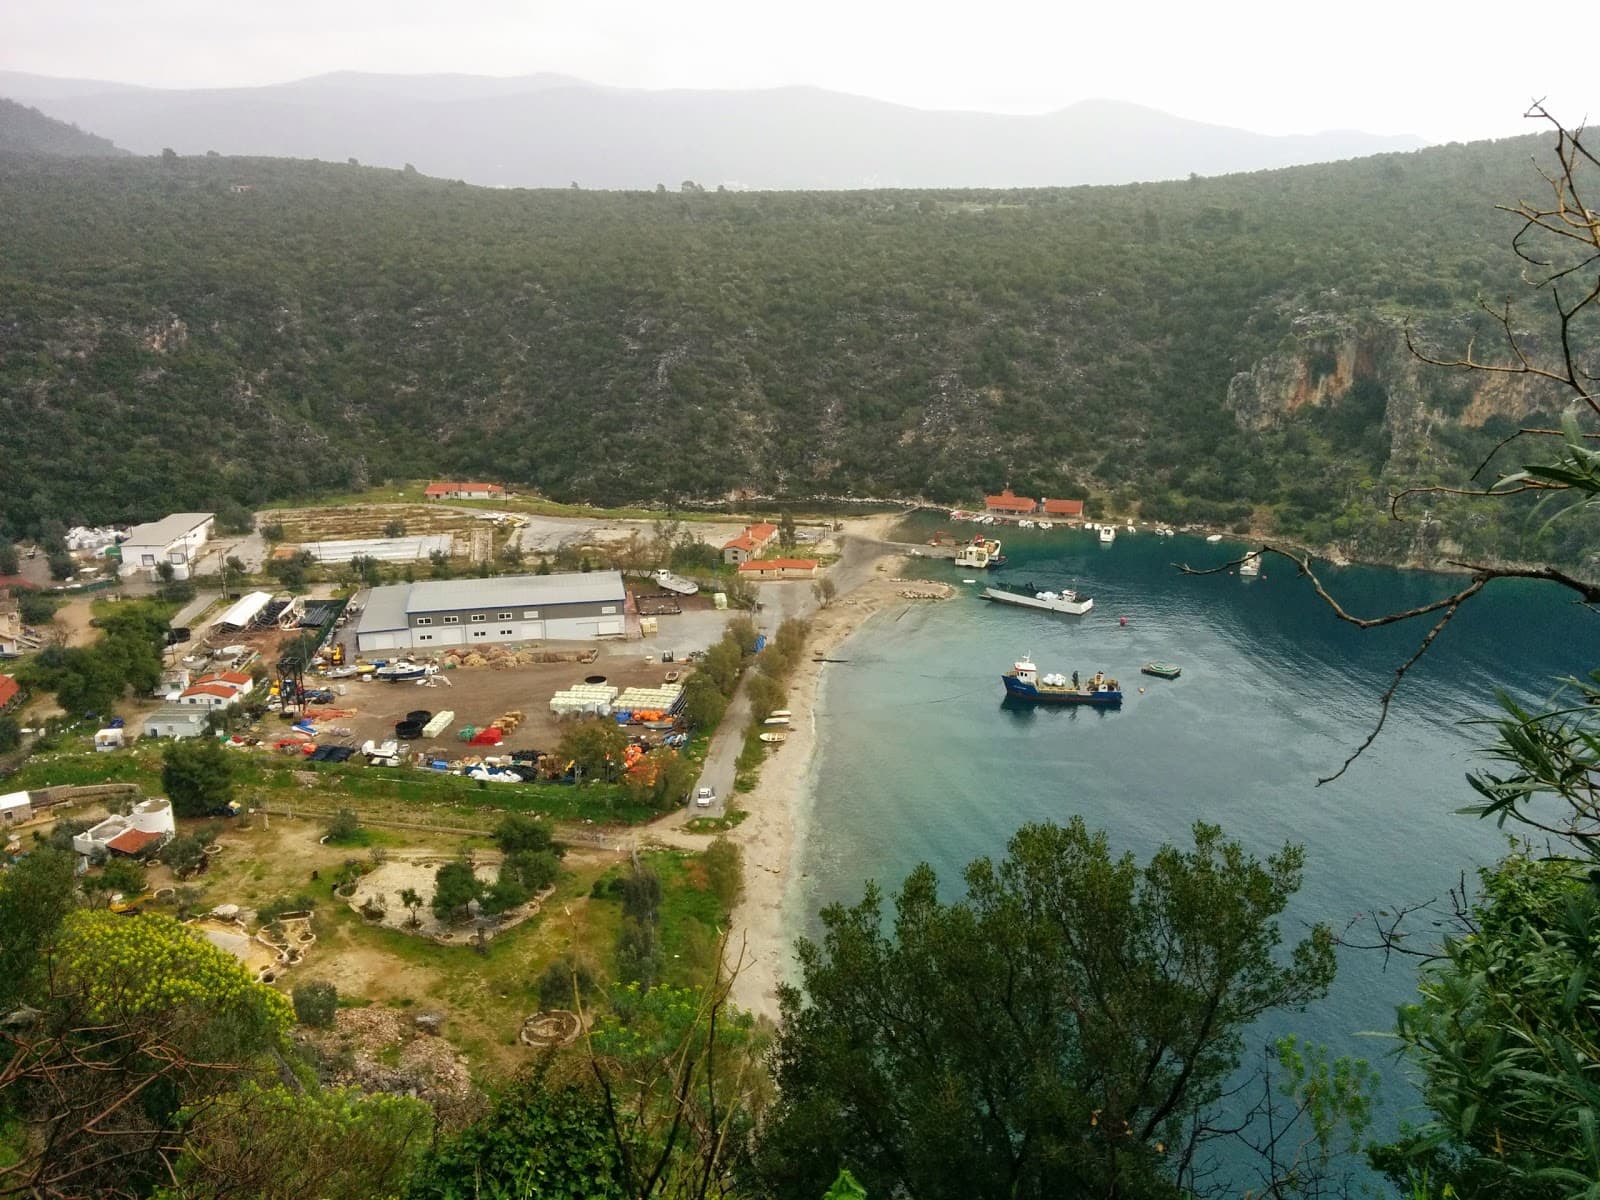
1010,504
9,691
780,568
1063,508
450,489
748,544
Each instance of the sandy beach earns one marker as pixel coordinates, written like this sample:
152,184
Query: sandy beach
780,800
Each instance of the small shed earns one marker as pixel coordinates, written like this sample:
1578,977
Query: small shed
16,807
176,721
109,739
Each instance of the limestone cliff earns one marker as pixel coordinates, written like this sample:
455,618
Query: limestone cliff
1330,360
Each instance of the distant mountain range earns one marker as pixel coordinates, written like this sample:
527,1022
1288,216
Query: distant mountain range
551,130
25,130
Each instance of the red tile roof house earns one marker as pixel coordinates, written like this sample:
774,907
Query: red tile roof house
1071,510
10,692
211,695
452,490
749,544
779,568
237,680
1010,505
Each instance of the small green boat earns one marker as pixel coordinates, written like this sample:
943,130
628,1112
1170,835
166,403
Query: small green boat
1162,670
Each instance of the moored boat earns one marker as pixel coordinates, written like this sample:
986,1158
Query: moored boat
980,554
1066,601
1108,534
1251,564
1024,682
1162,670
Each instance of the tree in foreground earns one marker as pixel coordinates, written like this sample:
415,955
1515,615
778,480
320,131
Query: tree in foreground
1060,1030
553,1143
197,775
274,1143
133,1026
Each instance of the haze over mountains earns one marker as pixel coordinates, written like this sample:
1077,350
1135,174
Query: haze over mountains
550,130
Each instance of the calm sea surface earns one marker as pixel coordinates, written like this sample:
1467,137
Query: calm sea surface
918,760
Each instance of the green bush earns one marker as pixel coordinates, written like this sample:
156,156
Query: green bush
316,1003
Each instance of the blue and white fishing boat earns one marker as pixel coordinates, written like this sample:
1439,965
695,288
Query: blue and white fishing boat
1024,682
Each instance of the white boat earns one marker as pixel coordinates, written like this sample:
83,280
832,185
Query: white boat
1215,537
776,721
980,554
395,672
676,583
1108,534
969,581
1251,564
385,750
1024,524
1068,602
1046,525
780,712
773,739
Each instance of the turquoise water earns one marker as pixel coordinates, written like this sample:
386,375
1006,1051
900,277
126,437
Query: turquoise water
918,760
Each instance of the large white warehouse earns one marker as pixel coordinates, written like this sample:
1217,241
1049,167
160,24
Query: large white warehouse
433,614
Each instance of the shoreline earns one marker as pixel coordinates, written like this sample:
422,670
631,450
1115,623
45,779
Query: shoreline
778,807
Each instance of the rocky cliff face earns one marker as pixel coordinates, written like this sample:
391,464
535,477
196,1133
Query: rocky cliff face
1336,359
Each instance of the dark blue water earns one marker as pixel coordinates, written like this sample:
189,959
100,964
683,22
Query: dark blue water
919,761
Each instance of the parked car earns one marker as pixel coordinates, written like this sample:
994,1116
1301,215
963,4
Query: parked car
705,797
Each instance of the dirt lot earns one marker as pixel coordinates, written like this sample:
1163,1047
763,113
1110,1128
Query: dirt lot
368,521
477,695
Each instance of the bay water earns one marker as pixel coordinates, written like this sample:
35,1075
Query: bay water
919,761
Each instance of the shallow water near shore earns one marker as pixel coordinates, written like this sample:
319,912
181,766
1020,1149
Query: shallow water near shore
918,760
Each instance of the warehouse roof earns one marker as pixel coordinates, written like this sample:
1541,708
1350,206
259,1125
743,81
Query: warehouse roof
245,609
168,529
585,587
385,609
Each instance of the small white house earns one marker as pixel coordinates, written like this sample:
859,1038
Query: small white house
176,721
108,739
177,540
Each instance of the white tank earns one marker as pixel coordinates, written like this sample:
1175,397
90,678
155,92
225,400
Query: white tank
153,816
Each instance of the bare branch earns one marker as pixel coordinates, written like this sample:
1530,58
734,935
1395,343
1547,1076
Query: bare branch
1400,673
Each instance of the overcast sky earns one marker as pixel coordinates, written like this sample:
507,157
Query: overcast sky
1443,71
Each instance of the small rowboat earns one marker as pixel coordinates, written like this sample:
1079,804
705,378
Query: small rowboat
780,712
776,721
1162,670
773,739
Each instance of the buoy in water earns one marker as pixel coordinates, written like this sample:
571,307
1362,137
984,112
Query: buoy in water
1122,620
1141,691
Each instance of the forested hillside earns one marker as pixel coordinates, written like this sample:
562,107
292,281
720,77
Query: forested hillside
1218,349
25,130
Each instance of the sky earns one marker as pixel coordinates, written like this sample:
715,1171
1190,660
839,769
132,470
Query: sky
1441,71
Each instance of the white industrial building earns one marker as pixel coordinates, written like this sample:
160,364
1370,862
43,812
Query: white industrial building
177,539
436,614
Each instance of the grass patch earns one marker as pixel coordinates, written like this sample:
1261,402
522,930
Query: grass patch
716,824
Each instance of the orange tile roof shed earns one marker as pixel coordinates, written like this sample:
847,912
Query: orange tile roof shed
131,841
